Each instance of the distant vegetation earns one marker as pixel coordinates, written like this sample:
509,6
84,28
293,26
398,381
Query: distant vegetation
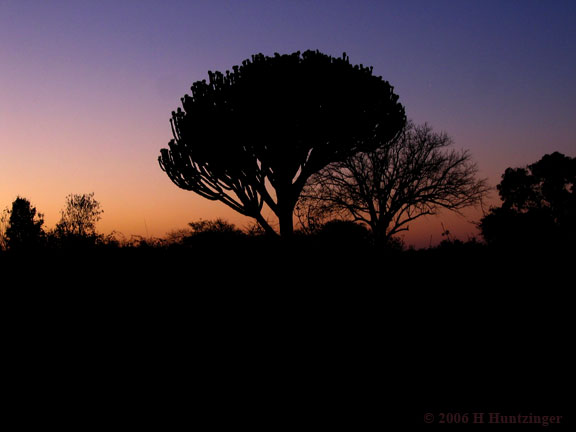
538,213
538,206
22,227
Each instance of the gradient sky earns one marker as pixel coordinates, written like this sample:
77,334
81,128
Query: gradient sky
87,88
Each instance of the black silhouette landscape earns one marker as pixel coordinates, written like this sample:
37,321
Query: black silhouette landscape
322,304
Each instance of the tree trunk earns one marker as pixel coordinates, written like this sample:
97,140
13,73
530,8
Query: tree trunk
381,238
285,218
267,228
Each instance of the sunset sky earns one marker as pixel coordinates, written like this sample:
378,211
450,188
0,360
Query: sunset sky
87,88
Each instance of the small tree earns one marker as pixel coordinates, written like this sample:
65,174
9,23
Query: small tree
255,135
538,204
24,229
399,182
79,217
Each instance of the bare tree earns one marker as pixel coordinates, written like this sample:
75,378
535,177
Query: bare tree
80,216
386,189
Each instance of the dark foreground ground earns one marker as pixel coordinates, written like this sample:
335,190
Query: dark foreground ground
285,338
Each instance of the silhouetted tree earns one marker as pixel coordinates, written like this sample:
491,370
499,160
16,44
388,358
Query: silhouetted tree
79,217
538,204
253,136
387,188
24,229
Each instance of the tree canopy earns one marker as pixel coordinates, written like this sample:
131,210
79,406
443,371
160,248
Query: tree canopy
254,135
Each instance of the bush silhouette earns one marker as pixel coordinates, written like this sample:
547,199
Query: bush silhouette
344,232
217,232
254,136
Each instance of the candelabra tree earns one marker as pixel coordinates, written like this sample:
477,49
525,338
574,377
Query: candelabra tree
254,135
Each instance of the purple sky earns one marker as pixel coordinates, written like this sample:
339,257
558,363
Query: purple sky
87,87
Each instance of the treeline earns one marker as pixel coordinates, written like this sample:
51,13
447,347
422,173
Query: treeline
23,232
538,214
22,226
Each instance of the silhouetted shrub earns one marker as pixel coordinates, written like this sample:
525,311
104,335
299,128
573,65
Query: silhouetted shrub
346,233
210,233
